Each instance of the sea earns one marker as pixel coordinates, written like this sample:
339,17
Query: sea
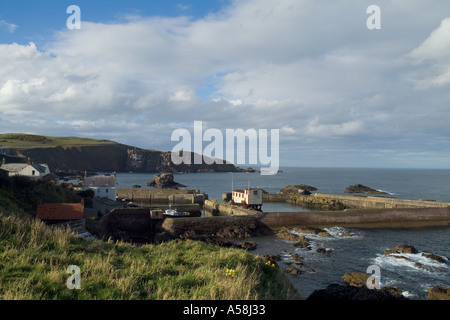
412,273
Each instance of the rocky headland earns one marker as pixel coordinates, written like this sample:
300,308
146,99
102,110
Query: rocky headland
359,188
64,154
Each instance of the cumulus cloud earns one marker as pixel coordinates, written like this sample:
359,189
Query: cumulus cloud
309,68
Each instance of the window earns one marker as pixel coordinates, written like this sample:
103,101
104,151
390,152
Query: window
33,173
106,190
255,192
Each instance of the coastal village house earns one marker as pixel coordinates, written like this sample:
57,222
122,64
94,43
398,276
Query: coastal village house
28,169
251,198
103,186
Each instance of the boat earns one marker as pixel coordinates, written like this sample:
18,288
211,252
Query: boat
173,213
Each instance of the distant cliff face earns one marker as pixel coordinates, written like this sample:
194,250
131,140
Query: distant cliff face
115,157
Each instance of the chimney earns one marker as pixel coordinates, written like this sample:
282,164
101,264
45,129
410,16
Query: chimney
85,174
4,161
29,161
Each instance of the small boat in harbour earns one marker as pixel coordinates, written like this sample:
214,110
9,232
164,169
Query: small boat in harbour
173,213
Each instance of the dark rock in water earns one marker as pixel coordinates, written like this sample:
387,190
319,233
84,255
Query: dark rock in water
418,265
302,242
298,189
355,279
359,188
296,257
248,245
434,257
312,230
292,271
164,181
341,292
438,293
404,248
272,258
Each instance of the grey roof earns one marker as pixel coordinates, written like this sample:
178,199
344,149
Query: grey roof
100,181
13,167
39,167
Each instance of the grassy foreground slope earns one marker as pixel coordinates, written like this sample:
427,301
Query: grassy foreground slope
34,259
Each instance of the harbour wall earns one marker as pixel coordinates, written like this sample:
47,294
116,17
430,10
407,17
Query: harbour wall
162,196
270,222
214,208
360,218
353,201
363,212
381,202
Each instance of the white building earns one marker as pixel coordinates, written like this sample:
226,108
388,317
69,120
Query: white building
251,198
29,169
103,186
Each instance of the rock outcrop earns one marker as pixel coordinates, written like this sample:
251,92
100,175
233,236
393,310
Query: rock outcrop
355,289
302,189
404,248
343,292
359,188
438,293
312,230
355,279
164,181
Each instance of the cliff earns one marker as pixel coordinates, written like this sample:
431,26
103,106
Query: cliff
80,154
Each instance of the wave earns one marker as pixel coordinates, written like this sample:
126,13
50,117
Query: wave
340,233
389,193
415,262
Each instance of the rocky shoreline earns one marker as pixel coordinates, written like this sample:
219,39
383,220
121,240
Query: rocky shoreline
353,286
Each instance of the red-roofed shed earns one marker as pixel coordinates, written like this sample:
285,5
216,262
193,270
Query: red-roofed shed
60,211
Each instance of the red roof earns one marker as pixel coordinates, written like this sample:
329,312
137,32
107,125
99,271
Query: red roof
60,211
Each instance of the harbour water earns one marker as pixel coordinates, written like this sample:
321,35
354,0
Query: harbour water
413,273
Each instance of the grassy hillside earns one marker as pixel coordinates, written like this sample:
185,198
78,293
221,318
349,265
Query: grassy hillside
35,258
27,141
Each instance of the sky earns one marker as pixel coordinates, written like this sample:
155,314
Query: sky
341,94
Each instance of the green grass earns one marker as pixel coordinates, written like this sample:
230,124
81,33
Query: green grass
34,259
27,141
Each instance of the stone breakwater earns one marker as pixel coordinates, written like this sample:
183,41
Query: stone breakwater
365,212
360,218
340,202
